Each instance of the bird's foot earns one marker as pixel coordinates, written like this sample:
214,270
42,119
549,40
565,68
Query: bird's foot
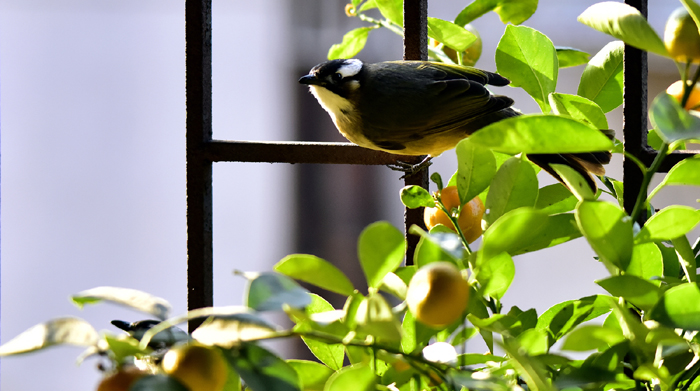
410,168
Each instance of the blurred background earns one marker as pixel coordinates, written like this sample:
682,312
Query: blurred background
92,115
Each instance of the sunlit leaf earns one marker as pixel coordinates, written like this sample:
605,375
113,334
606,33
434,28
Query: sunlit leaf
450,34
415,334
534,342
495,275
575,182
375,317
647,261
330,354
578,107
315,271
623,22
509,11
381,250
355,377
679,307
528,58
571,57
592,337
353,42
685,173
230,331
60,331
138,300
436,246
415,197
601,81
504,324
514,186
556,229
669,223
543,133
608,230
561,318
671,121
476,166
513,232
312,375
555,198
636,290
392,10
532,371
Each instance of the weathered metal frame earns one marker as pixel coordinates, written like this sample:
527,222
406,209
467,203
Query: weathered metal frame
203,150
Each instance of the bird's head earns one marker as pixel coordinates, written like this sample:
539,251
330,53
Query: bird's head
340,77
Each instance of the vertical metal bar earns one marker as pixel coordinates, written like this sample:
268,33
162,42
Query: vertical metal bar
415,47
199,167
634,113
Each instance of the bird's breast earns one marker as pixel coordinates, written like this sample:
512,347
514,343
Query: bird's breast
344,115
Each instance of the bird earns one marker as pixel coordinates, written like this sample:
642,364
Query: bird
163,340
423,108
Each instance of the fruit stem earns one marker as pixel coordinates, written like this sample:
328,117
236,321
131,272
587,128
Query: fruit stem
687,89
456,226
642,196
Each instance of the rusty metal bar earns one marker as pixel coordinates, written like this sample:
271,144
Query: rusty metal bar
415,47
199,168
634,110
300,152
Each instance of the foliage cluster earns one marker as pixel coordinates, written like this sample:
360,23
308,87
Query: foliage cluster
647,337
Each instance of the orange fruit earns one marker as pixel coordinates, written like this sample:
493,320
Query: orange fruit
676,91
437,294
199,367
681,36
468,219
121,380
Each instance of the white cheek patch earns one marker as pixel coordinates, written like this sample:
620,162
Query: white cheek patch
350,68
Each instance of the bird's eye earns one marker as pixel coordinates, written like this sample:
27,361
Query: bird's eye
337,76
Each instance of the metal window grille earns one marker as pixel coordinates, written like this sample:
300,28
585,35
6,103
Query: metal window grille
203,150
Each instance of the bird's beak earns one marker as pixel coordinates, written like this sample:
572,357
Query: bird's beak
122,325
310,80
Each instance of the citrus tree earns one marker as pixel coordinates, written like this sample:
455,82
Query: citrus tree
408,330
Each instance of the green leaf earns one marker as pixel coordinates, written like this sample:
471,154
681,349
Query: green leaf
374,317
416,335
679,307
495,275
532,371
503,324
579,108
563,317
356,377
608,230
330,354
542,133
315,271
476,166
671,121
158,383
132,298
513,186
59,331
509,11
394,285
556,198
636,290
556,229
672,266
476,358
601,80
271,291
123,346
381,250
450,34
625,23
261,369
687,173
693,9
592,337
575,181
353,42
312,375
647,261
686,257
669,223
416,197
571,57
513,232
528,58
392,10
534,342
437,247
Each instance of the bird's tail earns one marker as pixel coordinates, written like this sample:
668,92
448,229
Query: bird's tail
586,164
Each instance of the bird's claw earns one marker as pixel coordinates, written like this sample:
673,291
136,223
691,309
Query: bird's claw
410,168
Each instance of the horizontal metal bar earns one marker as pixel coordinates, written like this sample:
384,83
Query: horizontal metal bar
300,152
648,154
